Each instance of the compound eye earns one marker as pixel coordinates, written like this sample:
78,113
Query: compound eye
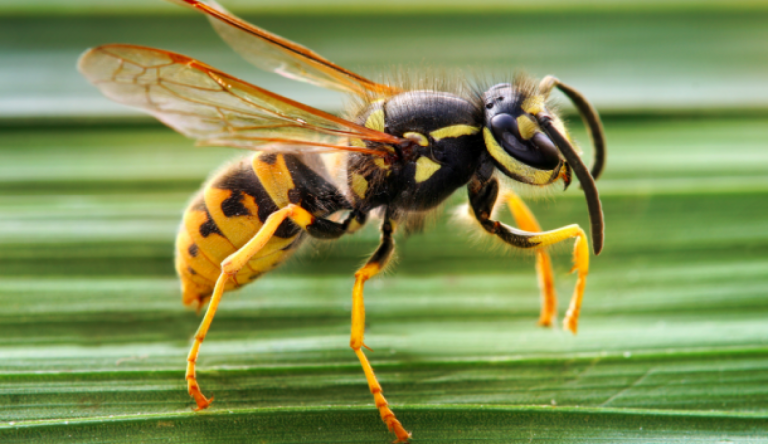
539,152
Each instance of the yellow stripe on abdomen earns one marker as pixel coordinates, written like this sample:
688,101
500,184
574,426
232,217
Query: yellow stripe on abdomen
229,211
238,228
275,177
205,233
188,254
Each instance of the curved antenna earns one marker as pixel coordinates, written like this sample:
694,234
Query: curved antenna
585,178
588,115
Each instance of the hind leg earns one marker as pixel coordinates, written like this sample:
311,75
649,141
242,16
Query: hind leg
234,263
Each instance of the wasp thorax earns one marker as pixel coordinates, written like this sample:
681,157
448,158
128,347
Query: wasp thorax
513,136
441,149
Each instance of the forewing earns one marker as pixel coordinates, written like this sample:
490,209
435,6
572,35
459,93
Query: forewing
271,52
216,108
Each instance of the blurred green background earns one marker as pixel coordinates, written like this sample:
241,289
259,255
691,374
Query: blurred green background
673,340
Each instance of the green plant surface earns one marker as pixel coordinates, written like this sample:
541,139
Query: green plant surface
96,7
656,61
672,345
673,338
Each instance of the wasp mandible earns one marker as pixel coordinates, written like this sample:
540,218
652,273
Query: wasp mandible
404,149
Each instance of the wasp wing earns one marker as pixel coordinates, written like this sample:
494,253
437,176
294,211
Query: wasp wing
273,53
216,108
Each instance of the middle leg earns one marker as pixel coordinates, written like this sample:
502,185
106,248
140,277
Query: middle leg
375,264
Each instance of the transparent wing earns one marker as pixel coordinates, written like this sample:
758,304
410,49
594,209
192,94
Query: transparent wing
216,108
271,52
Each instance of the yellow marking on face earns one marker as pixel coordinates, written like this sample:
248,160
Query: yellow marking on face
454,131
528,174
375,120
275,178
419,138
533,105
527,126
359,185
425,168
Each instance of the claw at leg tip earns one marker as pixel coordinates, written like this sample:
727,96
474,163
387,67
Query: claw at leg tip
203,404
570,325
403,440
401,434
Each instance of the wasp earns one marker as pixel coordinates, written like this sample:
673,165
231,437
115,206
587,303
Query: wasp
400,153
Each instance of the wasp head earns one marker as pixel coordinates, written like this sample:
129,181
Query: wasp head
513,138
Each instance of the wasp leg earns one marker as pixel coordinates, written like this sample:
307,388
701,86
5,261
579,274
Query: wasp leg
316,227
482,197
375,264
527,221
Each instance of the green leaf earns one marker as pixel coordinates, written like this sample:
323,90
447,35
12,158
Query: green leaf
445,424
672,341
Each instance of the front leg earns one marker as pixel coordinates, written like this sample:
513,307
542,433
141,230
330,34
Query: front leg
482,198
525,220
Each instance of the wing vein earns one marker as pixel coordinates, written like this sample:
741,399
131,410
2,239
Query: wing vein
216,108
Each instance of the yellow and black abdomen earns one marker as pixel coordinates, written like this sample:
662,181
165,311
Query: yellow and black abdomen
232,207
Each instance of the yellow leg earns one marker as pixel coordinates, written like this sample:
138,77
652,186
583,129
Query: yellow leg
482,197
192,386
370,269
527,221
580,265
229,268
